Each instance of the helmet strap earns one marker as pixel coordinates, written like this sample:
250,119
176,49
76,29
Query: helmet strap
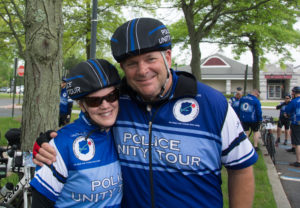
160,95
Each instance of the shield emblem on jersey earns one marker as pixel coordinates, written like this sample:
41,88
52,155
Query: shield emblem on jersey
84,149
186,110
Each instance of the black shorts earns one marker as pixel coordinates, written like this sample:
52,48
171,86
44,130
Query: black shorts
284,122
63,120
253,125
295,134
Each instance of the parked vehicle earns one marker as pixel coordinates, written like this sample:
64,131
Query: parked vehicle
4,89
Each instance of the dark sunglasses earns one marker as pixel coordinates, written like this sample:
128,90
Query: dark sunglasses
97,101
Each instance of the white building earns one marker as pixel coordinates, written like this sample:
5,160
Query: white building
225,75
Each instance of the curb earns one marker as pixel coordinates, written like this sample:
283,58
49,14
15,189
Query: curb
278,192
268,107
76,111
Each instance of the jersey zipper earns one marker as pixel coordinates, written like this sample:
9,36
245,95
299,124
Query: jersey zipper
151,119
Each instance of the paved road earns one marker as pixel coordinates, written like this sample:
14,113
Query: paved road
289,176
6,110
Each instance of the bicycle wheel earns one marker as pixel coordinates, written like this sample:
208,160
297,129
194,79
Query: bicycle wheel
264,137
271,147
2,205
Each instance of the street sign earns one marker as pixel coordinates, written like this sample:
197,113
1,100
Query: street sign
20,71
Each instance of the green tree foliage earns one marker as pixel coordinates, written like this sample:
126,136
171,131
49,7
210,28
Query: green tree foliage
12,32
6,72
77,21
268,28
12,38
70,62
200,17
77,26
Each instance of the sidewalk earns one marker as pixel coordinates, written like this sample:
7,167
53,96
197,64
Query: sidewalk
279,194
289,176
284,179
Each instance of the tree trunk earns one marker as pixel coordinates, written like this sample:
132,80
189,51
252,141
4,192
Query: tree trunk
195,61
194,41
43,68
255,66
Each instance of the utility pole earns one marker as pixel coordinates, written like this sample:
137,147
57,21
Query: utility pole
14,91
245,80
94,29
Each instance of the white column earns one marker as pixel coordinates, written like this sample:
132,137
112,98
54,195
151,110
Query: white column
263,86
228,86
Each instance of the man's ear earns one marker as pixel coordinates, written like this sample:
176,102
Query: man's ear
169,57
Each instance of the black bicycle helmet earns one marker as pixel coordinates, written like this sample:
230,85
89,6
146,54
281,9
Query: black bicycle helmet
287,95
296,89
90,76
139,36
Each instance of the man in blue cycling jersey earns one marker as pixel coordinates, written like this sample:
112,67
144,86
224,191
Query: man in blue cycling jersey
283,120
173,133
293,110
235,100
65,105
251,115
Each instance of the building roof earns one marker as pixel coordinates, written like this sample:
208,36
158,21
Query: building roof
275,68
221,67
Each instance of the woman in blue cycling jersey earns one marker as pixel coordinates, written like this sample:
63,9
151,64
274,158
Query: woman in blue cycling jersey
87,171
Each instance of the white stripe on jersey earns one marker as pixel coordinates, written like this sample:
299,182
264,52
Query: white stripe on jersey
231,129
45,173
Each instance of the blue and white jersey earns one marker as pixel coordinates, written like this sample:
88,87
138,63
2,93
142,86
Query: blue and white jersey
293,109
65,102
250,109
191,136
235,103
86,173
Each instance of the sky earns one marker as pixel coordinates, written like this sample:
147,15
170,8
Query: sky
184,57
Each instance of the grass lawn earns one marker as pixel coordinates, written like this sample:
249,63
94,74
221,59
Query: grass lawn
264,103
7,123
74,116
263,191
263,196
8,95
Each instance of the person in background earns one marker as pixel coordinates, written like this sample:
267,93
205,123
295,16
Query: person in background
293,111
283,120
65,105
250,114
235,100
87,172
293,148
173,133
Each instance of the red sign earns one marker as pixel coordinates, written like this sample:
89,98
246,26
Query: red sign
278,76
20,71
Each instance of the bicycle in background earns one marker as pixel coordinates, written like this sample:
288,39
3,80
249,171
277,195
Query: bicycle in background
15,161
268,138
